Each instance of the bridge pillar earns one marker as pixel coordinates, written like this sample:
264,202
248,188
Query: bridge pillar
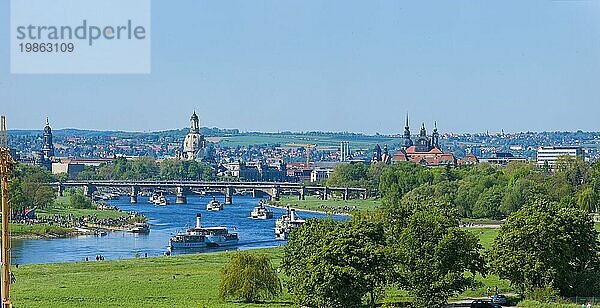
254,193
133,194
346,194
88,190
180,196
326,193
228,195
61,189
275,193
302,193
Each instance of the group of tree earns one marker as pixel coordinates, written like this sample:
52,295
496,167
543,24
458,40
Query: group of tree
414,242
416,246
481,190
547,249
356,175
147,168
28,189
487,191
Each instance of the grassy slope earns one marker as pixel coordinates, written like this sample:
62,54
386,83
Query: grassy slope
180,281
60,208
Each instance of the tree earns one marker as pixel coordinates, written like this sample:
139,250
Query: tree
433,258
349,175
335,264
78,201
545,246
400,178
587,200
27,187
249,277
518,193
487,205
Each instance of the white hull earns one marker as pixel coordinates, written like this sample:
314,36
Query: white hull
186,245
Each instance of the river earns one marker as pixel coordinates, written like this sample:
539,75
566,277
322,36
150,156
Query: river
164,222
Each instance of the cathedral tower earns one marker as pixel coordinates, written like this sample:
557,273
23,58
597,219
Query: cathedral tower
407,142
48,147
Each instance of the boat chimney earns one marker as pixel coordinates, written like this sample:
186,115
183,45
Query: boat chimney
198,220
292,214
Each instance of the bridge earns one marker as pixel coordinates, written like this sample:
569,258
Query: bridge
183,188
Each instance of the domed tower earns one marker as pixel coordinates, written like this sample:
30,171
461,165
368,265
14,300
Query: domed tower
194,124
48,147
423,143
194,143
407,142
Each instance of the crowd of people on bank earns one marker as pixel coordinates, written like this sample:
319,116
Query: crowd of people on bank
75,221
346,209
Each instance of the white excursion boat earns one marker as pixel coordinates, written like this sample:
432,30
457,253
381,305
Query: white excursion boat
162,200
214,205
153,198
159,199
261,212
201,237
286,223
140,227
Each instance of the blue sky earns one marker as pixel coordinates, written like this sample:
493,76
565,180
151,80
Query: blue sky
337,66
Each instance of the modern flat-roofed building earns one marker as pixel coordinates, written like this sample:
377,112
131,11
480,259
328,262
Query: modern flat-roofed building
502,158
549,155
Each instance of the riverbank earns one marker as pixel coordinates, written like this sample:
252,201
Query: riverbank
332,206
59,221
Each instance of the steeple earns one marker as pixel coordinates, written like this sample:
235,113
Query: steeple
423,131
48,146
407,142
435,136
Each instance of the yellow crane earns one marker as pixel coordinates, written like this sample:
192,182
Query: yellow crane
6,165
307,147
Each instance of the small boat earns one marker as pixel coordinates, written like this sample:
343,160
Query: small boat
261,212
140,228
154,198
286,223
214,205
202,237
162,201
100,232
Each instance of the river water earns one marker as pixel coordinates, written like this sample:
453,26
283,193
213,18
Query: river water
165,221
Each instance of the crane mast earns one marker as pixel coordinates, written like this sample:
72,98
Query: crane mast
6,164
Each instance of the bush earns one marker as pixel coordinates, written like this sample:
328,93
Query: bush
249,277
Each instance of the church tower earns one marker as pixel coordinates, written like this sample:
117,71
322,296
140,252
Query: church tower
407,142
423,142
435,137
376,154
48,147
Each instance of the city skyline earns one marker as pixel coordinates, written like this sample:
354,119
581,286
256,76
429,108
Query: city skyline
312,66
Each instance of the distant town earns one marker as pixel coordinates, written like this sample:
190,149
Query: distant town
290,156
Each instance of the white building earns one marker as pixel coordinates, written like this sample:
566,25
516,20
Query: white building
549,155
319,174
